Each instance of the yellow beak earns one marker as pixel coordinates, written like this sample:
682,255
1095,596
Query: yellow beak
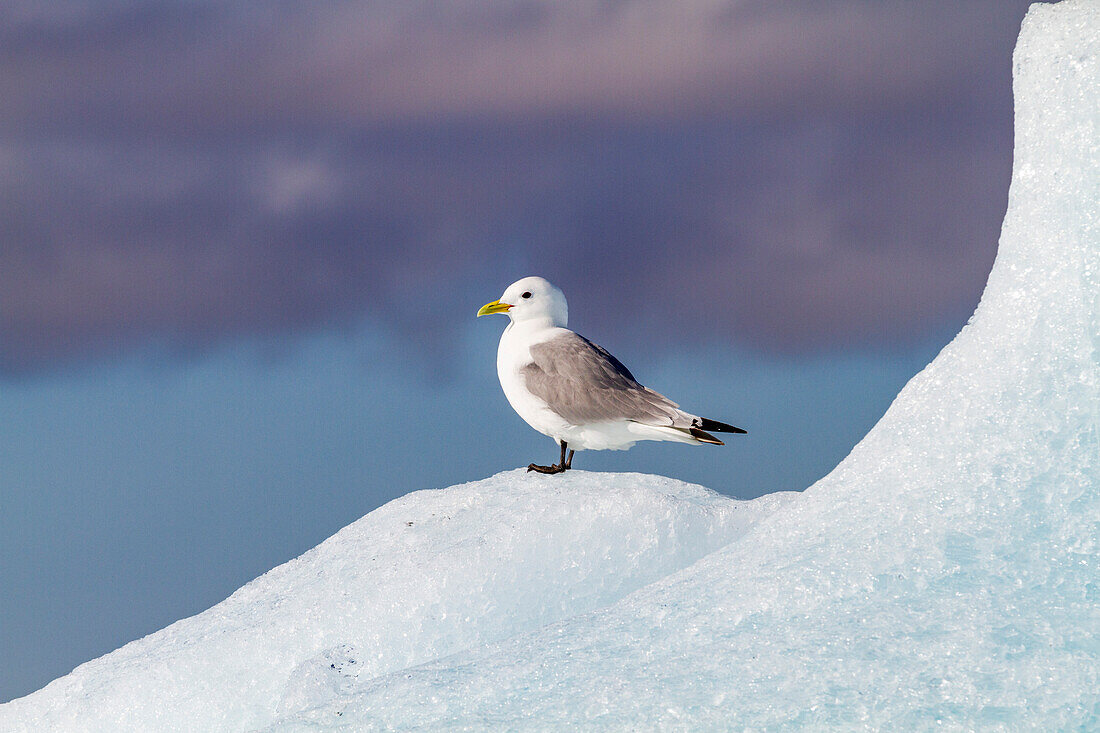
495,307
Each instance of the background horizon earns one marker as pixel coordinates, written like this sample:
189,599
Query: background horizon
243,246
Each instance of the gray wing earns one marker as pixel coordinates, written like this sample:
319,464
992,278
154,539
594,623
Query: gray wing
583,383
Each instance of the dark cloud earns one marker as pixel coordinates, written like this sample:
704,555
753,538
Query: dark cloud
792,176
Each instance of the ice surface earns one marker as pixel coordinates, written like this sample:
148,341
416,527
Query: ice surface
427,575
943,576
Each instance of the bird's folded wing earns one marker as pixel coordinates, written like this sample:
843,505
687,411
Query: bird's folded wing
583,383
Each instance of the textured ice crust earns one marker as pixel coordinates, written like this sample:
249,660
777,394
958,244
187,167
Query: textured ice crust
427,575
945,575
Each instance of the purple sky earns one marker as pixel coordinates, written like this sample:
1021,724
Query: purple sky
802,174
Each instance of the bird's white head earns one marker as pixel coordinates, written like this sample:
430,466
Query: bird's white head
529,299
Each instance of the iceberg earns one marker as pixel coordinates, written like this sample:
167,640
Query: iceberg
421,578
945,574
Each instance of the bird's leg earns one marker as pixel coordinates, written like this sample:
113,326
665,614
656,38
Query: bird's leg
569,461
561,465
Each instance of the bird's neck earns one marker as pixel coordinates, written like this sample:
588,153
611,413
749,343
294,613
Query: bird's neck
536,323
529,329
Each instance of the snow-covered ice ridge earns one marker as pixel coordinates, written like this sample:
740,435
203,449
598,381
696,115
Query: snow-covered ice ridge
945,575
425,576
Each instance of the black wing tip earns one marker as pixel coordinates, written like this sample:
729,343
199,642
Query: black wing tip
704,437
719,427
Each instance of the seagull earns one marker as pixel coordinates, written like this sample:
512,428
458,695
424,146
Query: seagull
574,391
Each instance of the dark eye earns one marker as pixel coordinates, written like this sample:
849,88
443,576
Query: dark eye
526,295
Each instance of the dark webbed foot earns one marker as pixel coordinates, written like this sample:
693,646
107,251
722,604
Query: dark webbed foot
559,467
546,469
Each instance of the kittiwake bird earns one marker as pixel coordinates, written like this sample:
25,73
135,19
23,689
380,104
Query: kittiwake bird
574,391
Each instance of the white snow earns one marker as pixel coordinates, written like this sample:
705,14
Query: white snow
427,575
943,576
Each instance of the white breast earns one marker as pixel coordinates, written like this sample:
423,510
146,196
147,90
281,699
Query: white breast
513,354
